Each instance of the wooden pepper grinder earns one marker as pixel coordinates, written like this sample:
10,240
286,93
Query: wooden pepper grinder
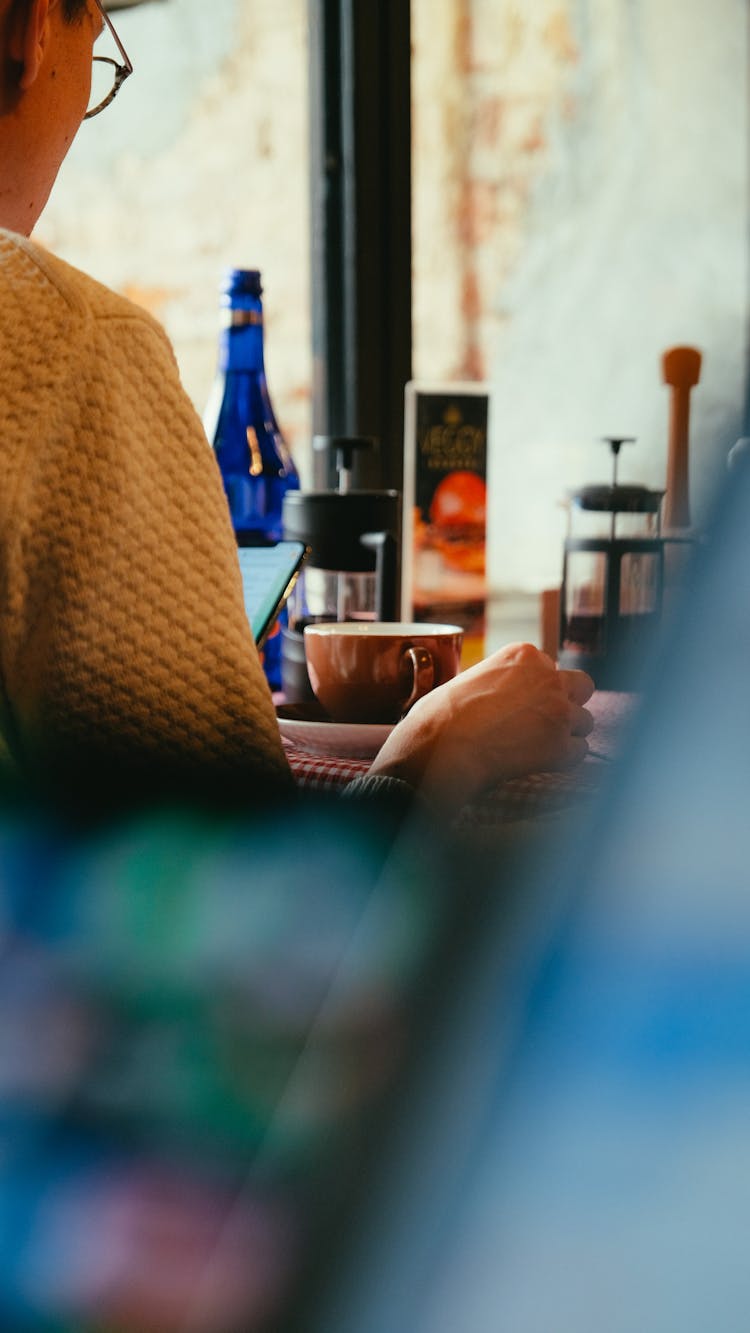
681,367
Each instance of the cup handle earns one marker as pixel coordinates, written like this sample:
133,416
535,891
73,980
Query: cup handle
423,674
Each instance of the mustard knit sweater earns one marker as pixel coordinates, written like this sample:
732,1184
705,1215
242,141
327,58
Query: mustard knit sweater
124,646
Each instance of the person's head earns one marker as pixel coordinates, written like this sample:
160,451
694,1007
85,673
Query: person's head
46,49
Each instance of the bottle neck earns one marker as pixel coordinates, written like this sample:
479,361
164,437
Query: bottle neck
241,339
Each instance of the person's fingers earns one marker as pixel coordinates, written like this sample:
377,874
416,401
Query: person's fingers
578,685
523,654
581,721
573,752
578,748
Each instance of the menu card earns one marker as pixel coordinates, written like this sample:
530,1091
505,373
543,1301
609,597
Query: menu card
445,508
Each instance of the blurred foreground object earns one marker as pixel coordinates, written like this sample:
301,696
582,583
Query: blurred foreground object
196,1027
739,454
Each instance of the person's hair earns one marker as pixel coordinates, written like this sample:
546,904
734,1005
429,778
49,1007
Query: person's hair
74,9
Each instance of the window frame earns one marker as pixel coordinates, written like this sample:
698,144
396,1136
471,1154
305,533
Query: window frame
361,242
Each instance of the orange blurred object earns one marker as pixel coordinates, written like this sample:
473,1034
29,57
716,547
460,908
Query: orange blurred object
466,556
458,521
460,500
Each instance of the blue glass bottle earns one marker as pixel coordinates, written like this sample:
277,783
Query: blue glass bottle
255,463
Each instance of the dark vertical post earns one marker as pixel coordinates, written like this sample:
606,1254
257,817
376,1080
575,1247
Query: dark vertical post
360,83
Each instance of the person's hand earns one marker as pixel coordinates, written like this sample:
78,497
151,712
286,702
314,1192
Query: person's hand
512,714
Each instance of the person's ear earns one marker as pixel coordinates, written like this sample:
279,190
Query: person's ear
28,39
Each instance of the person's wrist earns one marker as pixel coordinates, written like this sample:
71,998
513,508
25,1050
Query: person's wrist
439,771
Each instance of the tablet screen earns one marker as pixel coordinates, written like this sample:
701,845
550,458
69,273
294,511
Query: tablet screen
268,576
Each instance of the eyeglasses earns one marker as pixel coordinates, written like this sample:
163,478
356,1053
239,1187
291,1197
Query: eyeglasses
105,88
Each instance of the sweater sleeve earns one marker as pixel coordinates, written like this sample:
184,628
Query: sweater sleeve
126,651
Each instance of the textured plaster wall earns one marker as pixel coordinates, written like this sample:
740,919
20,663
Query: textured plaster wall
488,77
582,200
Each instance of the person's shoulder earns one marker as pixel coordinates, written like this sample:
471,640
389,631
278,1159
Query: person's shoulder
46,278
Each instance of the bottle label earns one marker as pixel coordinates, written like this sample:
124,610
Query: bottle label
236,319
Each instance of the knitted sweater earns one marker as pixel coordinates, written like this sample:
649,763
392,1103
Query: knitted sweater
124,645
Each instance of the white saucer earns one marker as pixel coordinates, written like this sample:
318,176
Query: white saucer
336,740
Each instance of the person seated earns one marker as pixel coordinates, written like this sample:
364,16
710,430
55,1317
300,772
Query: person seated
126,658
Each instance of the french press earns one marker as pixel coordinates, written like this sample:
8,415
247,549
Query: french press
613,573
352,569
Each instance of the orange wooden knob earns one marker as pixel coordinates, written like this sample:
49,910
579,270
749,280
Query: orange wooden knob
681,367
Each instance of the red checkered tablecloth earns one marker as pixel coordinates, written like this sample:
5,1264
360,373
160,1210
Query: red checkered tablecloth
519,799
319,773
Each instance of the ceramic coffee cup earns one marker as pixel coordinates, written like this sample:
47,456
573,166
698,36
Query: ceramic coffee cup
373,671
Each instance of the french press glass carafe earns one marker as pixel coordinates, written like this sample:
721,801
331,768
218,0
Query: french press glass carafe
613,563
352,569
